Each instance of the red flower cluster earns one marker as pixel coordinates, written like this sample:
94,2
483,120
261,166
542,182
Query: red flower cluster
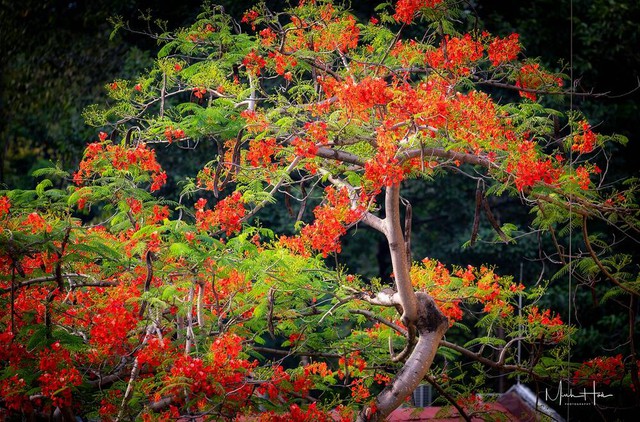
282,62
172,134
159,214
329,225
352,363
456,54
529,169
502,50
601,370
296,414
110,328
304,147
384,169
135,206
261,151
254,62
533,78
250,17
37,223
406,9
58,375
474,118
359,98
582,177
317,131
358,391
544,318
585,141
330,220
337,34
490,293
99,159
267,37
154,352
5,205
227,214
221,375
12,393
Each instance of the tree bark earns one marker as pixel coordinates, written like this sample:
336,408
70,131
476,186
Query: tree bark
401,266
431,326
420,315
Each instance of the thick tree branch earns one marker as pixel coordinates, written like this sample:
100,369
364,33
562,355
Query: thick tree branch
339,155
463,157
397,248
431,326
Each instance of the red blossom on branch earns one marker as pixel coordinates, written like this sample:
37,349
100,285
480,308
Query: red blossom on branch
533,78
227,214
502,50
456,54
585,140
254,62
406,9
5,205
600,370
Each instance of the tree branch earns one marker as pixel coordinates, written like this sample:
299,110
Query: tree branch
431,326
339,155
397,248
463,157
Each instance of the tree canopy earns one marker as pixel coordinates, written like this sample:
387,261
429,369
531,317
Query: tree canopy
131,292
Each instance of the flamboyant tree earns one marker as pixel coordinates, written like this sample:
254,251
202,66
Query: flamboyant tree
122,304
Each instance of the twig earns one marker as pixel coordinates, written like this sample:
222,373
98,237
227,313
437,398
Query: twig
448,396
597,261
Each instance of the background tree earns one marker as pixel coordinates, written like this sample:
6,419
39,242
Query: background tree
175,306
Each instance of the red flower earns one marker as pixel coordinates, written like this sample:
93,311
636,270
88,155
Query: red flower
502,50
158,180
5,205
268,37
406,9
135,206
544,318
261,151
250,17
600,370
533,78
37,223
199,92
582,177
529,169
585,141
456,54
159,214
227,214
254,62
304,147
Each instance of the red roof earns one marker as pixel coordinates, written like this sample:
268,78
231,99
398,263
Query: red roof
449,414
